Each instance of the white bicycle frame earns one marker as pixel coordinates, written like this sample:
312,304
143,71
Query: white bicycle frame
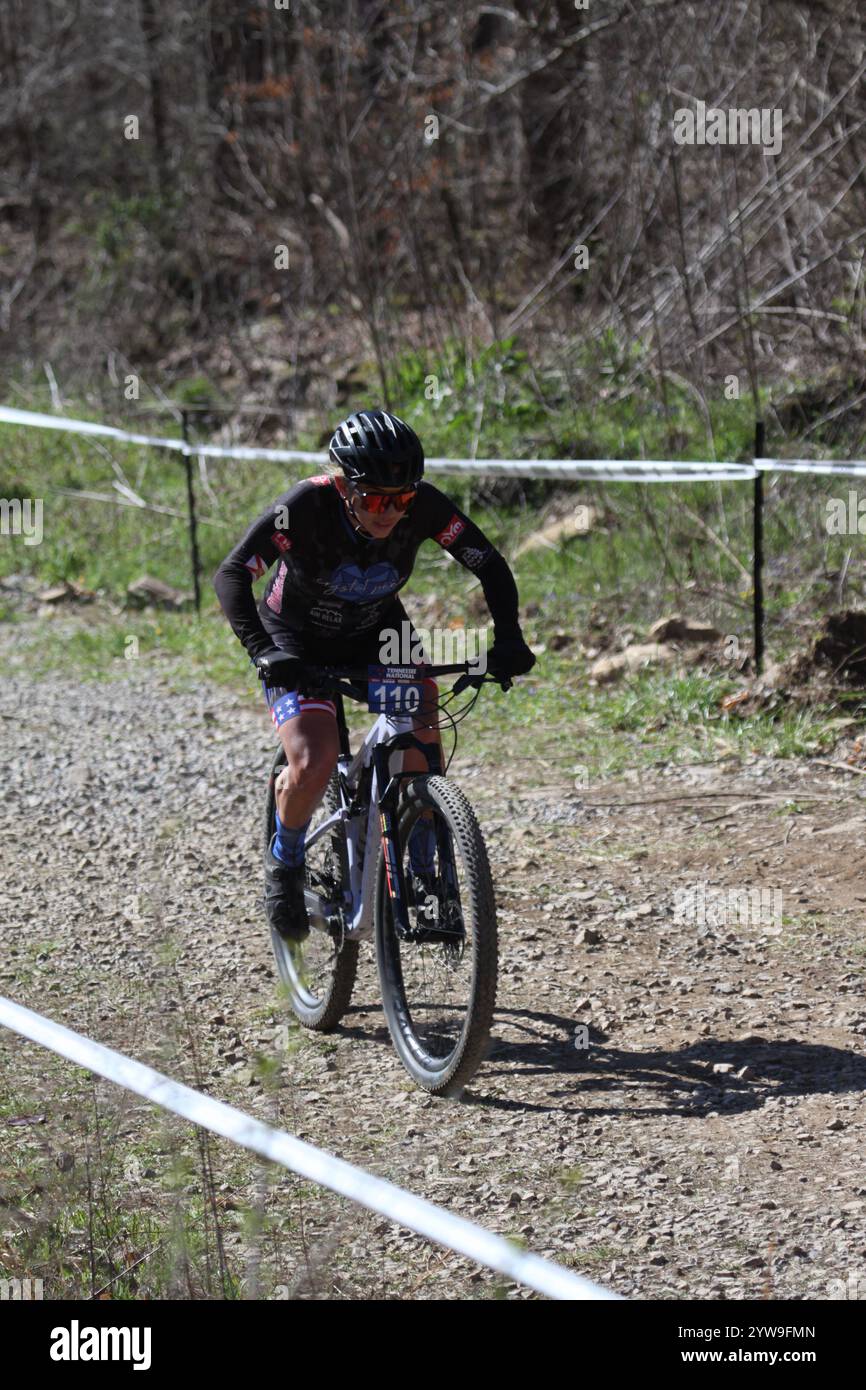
362,861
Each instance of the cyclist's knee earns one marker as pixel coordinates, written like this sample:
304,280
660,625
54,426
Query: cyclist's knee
307,770
311,753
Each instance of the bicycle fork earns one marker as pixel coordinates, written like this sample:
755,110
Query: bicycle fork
388,804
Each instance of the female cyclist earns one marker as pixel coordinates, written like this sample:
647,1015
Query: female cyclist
346,545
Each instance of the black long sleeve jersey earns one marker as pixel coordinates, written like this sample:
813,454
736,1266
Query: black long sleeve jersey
333,586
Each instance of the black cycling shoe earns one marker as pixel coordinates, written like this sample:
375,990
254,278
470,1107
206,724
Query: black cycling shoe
284,898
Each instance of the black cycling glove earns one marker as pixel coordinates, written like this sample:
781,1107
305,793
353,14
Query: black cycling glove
288,668
279,667
510,656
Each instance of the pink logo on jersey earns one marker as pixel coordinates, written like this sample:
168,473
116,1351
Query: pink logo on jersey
256,566
274,599
321,479
452,531
281,541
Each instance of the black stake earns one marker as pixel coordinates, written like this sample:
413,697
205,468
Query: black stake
758,551
193,533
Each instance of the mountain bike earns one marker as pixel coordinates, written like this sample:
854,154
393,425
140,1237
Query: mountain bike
434,933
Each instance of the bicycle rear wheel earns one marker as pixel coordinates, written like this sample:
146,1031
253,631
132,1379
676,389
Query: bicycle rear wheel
319,975
439,985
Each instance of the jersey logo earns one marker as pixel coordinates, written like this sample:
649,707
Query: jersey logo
350,582
256,566
321,479
325,617
281,541
472,557
274,599
451,532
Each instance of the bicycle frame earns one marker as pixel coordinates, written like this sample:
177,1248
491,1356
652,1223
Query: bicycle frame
388,735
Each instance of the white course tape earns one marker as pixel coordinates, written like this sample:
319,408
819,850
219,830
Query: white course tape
611,470
10,416
852,468
428,1220
216,451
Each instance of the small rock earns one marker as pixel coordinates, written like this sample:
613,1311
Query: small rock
676,629
610,668
588,936
149,591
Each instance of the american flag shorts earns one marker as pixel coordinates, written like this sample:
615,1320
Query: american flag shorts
288,704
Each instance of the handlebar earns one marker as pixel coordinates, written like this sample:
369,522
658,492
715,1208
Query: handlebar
336,676
462,682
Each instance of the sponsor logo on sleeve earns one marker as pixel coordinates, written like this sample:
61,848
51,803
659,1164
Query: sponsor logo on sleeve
451,531
274,599
472,557
256,566
321,479
281,541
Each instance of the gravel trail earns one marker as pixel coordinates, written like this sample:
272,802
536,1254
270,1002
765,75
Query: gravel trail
707,1143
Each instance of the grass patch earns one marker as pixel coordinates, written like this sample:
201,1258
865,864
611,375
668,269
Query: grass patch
653,550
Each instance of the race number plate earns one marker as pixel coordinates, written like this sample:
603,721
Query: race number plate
394,690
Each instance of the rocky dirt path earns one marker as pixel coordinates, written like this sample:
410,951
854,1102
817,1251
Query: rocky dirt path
707,1142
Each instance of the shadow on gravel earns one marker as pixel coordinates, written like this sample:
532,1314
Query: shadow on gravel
375,1030
683,1079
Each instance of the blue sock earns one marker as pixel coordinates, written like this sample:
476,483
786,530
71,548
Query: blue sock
289,844
422,847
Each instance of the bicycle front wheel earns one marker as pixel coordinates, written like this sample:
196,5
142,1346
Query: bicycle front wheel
439,980
320,974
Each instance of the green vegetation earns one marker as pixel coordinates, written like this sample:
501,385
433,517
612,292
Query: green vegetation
115,1200
651,550
601,400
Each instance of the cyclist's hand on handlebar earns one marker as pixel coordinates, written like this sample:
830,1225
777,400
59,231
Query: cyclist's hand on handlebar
463,682
278,667
286,668
510,657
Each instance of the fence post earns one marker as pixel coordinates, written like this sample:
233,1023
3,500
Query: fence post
758,551
193,530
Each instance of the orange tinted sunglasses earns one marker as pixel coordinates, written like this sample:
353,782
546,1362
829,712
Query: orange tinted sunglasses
378,502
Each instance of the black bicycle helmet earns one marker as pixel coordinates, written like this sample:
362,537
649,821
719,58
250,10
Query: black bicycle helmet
378,448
